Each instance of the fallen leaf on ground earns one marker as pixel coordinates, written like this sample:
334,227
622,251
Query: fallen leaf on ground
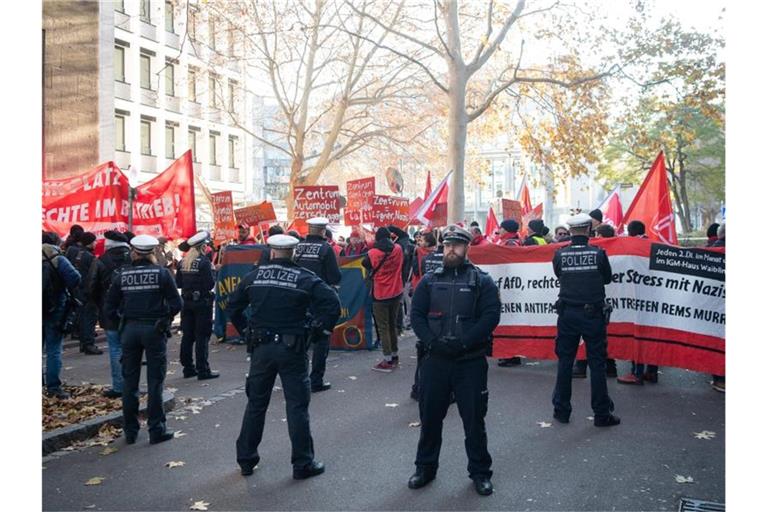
174,464
535,363
352,377
414,424
89,506
67,367
390,405
199,505
340,390
205,385
543,424
683,479
108,451
195,409
95,480
171,390
171,372
178,434
704,434
214,351
591,418
217,425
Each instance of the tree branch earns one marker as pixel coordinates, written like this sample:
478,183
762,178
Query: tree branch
482,57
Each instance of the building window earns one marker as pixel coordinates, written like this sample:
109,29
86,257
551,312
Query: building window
233,152
120,133
120,6
192,136
212,101
144,11
170,142
192,85
170,76
169,17
192,30
212,33
146,82
119,63
212,140
146,138
232,93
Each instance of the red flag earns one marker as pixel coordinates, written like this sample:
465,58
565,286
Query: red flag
653,207
491,224
415,204
426,212
613,213
428,190
525,197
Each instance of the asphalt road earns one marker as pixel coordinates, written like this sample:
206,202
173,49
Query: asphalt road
369,448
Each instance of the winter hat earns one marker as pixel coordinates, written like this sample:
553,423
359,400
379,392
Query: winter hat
510,225
382,234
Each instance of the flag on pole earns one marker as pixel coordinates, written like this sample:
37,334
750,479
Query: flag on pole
613,213
491,224
426,212
653,206
428,189
525,197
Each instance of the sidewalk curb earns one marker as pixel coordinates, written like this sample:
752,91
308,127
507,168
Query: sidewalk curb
57,439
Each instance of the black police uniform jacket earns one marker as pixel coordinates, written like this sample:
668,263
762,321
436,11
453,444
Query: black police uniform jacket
432,261
583,270
198,278
107,267
454,311
315,254
279,294
143,291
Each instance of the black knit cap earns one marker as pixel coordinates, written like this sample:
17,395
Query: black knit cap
597,214
87,238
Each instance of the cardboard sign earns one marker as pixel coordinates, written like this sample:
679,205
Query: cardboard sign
255,214
317,201
511,209
224,227
359,201
390,210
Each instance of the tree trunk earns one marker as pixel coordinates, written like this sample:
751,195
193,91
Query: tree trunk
297,163
457,140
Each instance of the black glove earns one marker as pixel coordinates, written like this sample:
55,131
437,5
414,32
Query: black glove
447,347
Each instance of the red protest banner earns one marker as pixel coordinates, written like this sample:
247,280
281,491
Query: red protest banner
98,200
255,214
359,201
223,217
390,210
317,201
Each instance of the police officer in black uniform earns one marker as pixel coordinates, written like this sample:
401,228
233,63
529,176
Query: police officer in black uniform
280,294
583,270
453,313
315,254
195,278
143,300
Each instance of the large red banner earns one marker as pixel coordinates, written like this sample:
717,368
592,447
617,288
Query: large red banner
256,214
98,200
390,210
668,302
223,217
359,201
317,201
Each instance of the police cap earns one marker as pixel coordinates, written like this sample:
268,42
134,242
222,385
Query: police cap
454,234
318,221
144,244
282,242
580,220
199,238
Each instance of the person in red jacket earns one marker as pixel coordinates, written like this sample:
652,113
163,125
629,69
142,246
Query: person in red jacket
244,235
384,265
355,245
508,233
478,238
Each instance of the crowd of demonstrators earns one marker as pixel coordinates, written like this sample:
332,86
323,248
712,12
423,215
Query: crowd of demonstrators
356,245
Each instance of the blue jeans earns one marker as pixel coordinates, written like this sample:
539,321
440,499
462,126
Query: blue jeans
115,354
54,342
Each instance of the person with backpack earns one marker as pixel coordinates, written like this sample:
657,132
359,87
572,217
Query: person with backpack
117,255
60,279
82,258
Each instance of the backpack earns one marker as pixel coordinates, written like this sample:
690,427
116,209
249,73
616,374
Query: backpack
52,285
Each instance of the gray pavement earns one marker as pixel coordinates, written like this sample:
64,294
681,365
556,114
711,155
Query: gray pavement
369,448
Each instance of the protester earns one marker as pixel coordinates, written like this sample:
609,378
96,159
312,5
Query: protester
639,373
60,278
405,243
536,229
116,256
427,245
720,242
712,234
295,234
508,233
562,234
356,246
83,259
478,238
596,216
75,232
605,231
329,238
276,229
384,265
244,235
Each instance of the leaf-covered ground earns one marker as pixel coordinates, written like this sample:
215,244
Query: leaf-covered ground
86,402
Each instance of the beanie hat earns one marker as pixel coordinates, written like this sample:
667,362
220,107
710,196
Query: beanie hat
537,226
597,214
510,225
87,238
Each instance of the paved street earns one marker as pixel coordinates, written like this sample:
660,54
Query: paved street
369,448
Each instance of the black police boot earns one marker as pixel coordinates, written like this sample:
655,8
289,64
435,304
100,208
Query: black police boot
607,421
325,386
130,438
420,478
415,394
483,485
562,417
314,468
111,393
207,375
246,469
190,373
160,438
92,350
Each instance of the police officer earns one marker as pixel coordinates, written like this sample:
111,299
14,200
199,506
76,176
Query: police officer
315,254
195,278
143,300
453,313
583,270
279,295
